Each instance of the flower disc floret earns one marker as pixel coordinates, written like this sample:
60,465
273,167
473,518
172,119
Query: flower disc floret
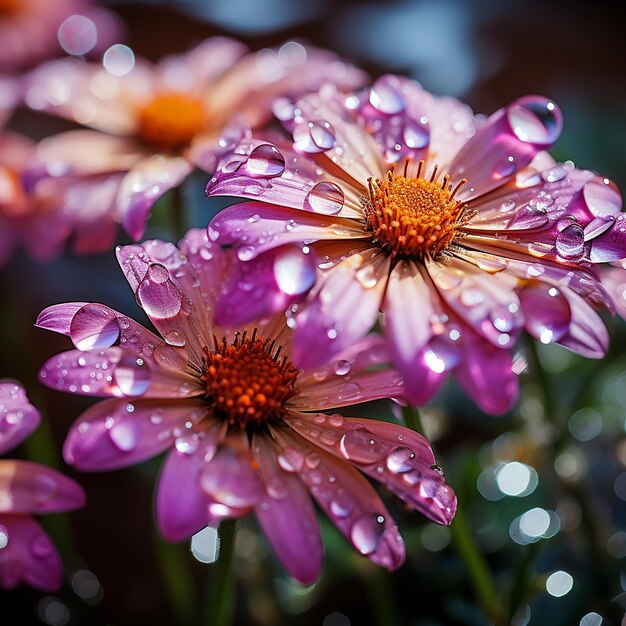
414,217
247,381
171,120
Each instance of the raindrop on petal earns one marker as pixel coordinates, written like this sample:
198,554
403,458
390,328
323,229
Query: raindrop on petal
325,197
366,532
535,120
265,161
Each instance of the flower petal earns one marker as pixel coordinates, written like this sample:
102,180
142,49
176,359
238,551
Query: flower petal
181,503
286,515
114,433
18,417
28,555
144,184
271,283
342,309
346,497
398,457
27,487
505,144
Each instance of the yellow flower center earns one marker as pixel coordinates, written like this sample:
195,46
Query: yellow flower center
414,217
171,121
247,381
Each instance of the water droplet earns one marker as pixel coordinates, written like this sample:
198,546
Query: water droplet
472,296
313,136
366,532
386,96
529,216
416,135
325,197
291,460
187,444
94,327
265,161
294,271
342,367
570,242
124,435
246,253
277,488
400,460
502,318
437,468
546,310
131,375
175,338
359,446
554,174
367,276
602,197
341,505
535,120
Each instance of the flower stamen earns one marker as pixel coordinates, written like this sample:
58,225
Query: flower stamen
414,217
246,381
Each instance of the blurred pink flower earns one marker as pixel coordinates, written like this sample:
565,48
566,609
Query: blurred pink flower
163,120
462,230
42,213
244,427
26,552
29,30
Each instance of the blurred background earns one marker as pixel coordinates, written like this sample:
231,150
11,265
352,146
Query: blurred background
543,488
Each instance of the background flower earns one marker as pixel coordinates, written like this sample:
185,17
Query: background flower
27,554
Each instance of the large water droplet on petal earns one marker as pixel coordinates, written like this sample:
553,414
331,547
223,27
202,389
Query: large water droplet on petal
291,460
341,505
400,460
124,435
535,119
366,532
313,136
602,197
325,197
158,295
94,326
265,161
387,96
294,271
416,134
570,242
546,310
131,375
359,446
175,338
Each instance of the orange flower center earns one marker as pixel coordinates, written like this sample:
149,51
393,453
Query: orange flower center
9,7
414,217
171,121
247,381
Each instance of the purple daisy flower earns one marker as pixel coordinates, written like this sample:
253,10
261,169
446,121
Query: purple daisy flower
27,554
156,123
245,428
462,230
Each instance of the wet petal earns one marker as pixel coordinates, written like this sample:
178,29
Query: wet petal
486,375
271,283
342,310
144,184
181,504
398,457
286,515
114,433
231,478
614,279
254,227
505,144
18,418
28,556
587,335
27,487
346,497
611,244
407,312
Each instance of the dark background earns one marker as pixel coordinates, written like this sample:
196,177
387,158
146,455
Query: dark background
487,54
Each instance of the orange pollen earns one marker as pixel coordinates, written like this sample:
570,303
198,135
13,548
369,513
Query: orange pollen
171,121
414,217
247,381
9,7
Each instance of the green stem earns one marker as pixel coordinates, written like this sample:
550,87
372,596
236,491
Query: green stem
473,561
220,608
381,598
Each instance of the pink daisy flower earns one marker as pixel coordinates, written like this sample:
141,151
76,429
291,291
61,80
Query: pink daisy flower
40,213
245,429
156,123
31,30
27,554
462,230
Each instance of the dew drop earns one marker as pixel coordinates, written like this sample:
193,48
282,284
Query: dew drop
570,242
535,120
131,375
325,197
265,161
175,338
294,271
415,134
342,367
124,435
291,460
400,460
94,327
366,533
386,97
358,446
602,197
187,444
546,310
